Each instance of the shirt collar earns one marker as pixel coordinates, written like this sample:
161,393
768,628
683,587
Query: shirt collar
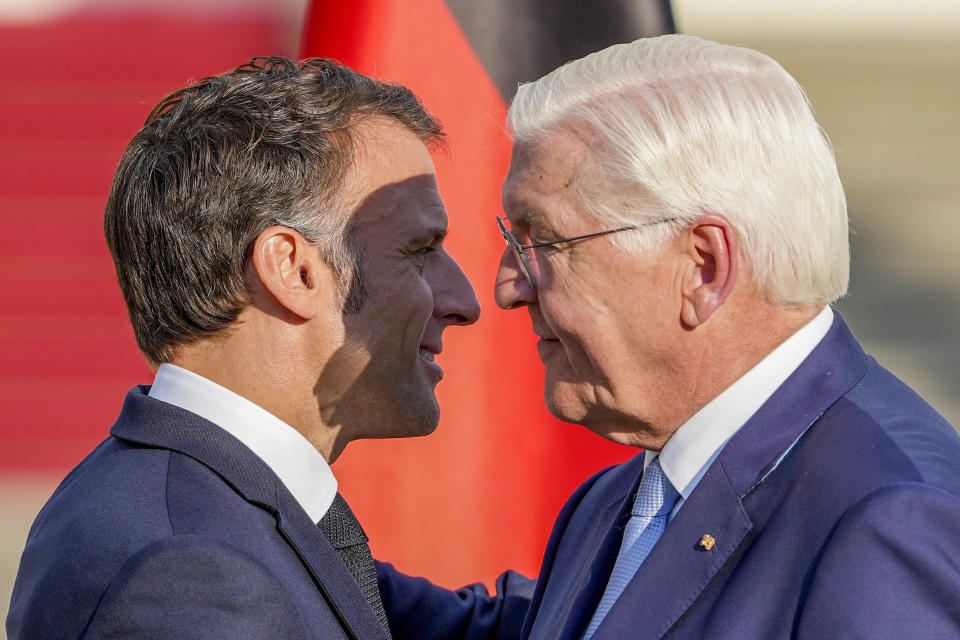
298,464
696,444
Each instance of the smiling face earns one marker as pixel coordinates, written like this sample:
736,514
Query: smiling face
608,322
382,378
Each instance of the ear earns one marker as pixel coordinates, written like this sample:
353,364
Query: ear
713,253
290,269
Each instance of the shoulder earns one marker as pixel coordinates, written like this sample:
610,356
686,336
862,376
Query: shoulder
193,586
882,418
115,498
888,569
118,502
886,469
111,505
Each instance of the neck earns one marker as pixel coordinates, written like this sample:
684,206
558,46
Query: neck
713,357
738,344
265,365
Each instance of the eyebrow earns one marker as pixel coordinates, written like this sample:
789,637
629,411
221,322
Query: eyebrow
430,236
527,216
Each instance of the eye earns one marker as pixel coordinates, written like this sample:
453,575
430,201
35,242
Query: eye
420,256
540,232
521,232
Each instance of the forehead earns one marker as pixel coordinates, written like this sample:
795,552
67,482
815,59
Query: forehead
392,182
543,172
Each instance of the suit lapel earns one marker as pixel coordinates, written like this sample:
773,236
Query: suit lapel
584,560
830,371
149,422
329,573
581,599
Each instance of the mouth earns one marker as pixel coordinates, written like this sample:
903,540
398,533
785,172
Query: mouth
428,354
547,347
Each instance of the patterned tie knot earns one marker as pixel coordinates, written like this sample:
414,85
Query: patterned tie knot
340,525
656,496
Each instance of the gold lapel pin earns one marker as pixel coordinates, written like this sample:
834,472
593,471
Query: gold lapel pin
707,542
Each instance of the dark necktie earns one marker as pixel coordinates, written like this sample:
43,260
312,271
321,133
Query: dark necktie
344,532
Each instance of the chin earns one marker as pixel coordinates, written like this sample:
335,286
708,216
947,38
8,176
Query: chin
563,403
414,418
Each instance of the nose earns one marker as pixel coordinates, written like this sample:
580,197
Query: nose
512,290
454,300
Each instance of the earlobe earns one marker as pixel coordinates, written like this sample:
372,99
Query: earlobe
713,253
288,268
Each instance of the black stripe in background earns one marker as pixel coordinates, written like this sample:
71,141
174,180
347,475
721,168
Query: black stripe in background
521,40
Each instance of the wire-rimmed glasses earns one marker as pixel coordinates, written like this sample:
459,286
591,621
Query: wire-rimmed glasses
519,250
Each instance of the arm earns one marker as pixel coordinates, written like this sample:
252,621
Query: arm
891,569
416,608
192,587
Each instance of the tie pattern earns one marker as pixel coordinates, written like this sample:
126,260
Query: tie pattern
344,532
651,507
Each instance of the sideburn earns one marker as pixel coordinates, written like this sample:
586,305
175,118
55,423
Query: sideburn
356,290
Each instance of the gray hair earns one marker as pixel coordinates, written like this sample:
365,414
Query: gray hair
222,160
681,127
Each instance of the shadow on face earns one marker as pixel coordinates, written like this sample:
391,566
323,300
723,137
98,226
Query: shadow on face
380,381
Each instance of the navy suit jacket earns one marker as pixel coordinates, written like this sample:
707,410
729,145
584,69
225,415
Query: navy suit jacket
835,512
172,528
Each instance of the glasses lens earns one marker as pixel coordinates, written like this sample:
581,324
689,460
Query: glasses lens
522,260
518,253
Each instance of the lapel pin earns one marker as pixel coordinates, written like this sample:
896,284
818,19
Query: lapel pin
707,542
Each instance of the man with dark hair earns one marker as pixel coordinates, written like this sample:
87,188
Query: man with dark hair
278,238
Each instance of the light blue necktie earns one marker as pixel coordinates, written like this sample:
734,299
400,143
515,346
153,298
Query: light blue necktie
651,508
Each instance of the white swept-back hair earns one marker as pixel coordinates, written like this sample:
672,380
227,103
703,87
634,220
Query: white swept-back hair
680,127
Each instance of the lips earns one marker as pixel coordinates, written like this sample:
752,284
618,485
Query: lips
430,350
427,353
541,330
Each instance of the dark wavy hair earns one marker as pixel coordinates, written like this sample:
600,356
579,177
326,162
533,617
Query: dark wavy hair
218,162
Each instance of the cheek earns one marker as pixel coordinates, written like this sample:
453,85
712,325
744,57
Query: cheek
569,303
405,293
418,299
590,336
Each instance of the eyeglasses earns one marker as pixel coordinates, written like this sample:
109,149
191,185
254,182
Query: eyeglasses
519,250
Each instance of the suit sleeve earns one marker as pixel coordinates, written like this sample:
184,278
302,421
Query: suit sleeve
890,569
418,609
192,587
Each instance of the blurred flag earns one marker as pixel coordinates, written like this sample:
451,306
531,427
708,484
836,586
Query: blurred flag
481,494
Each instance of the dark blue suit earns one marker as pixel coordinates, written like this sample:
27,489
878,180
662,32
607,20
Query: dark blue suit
835,512
172,528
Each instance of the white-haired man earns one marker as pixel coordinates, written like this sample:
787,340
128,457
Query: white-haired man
676,229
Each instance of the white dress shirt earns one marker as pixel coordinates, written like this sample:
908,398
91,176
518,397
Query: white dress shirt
296,462
691,450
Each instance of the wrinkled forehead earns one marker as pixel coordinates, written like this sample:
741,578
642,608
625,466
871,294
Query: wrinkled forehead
545,168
